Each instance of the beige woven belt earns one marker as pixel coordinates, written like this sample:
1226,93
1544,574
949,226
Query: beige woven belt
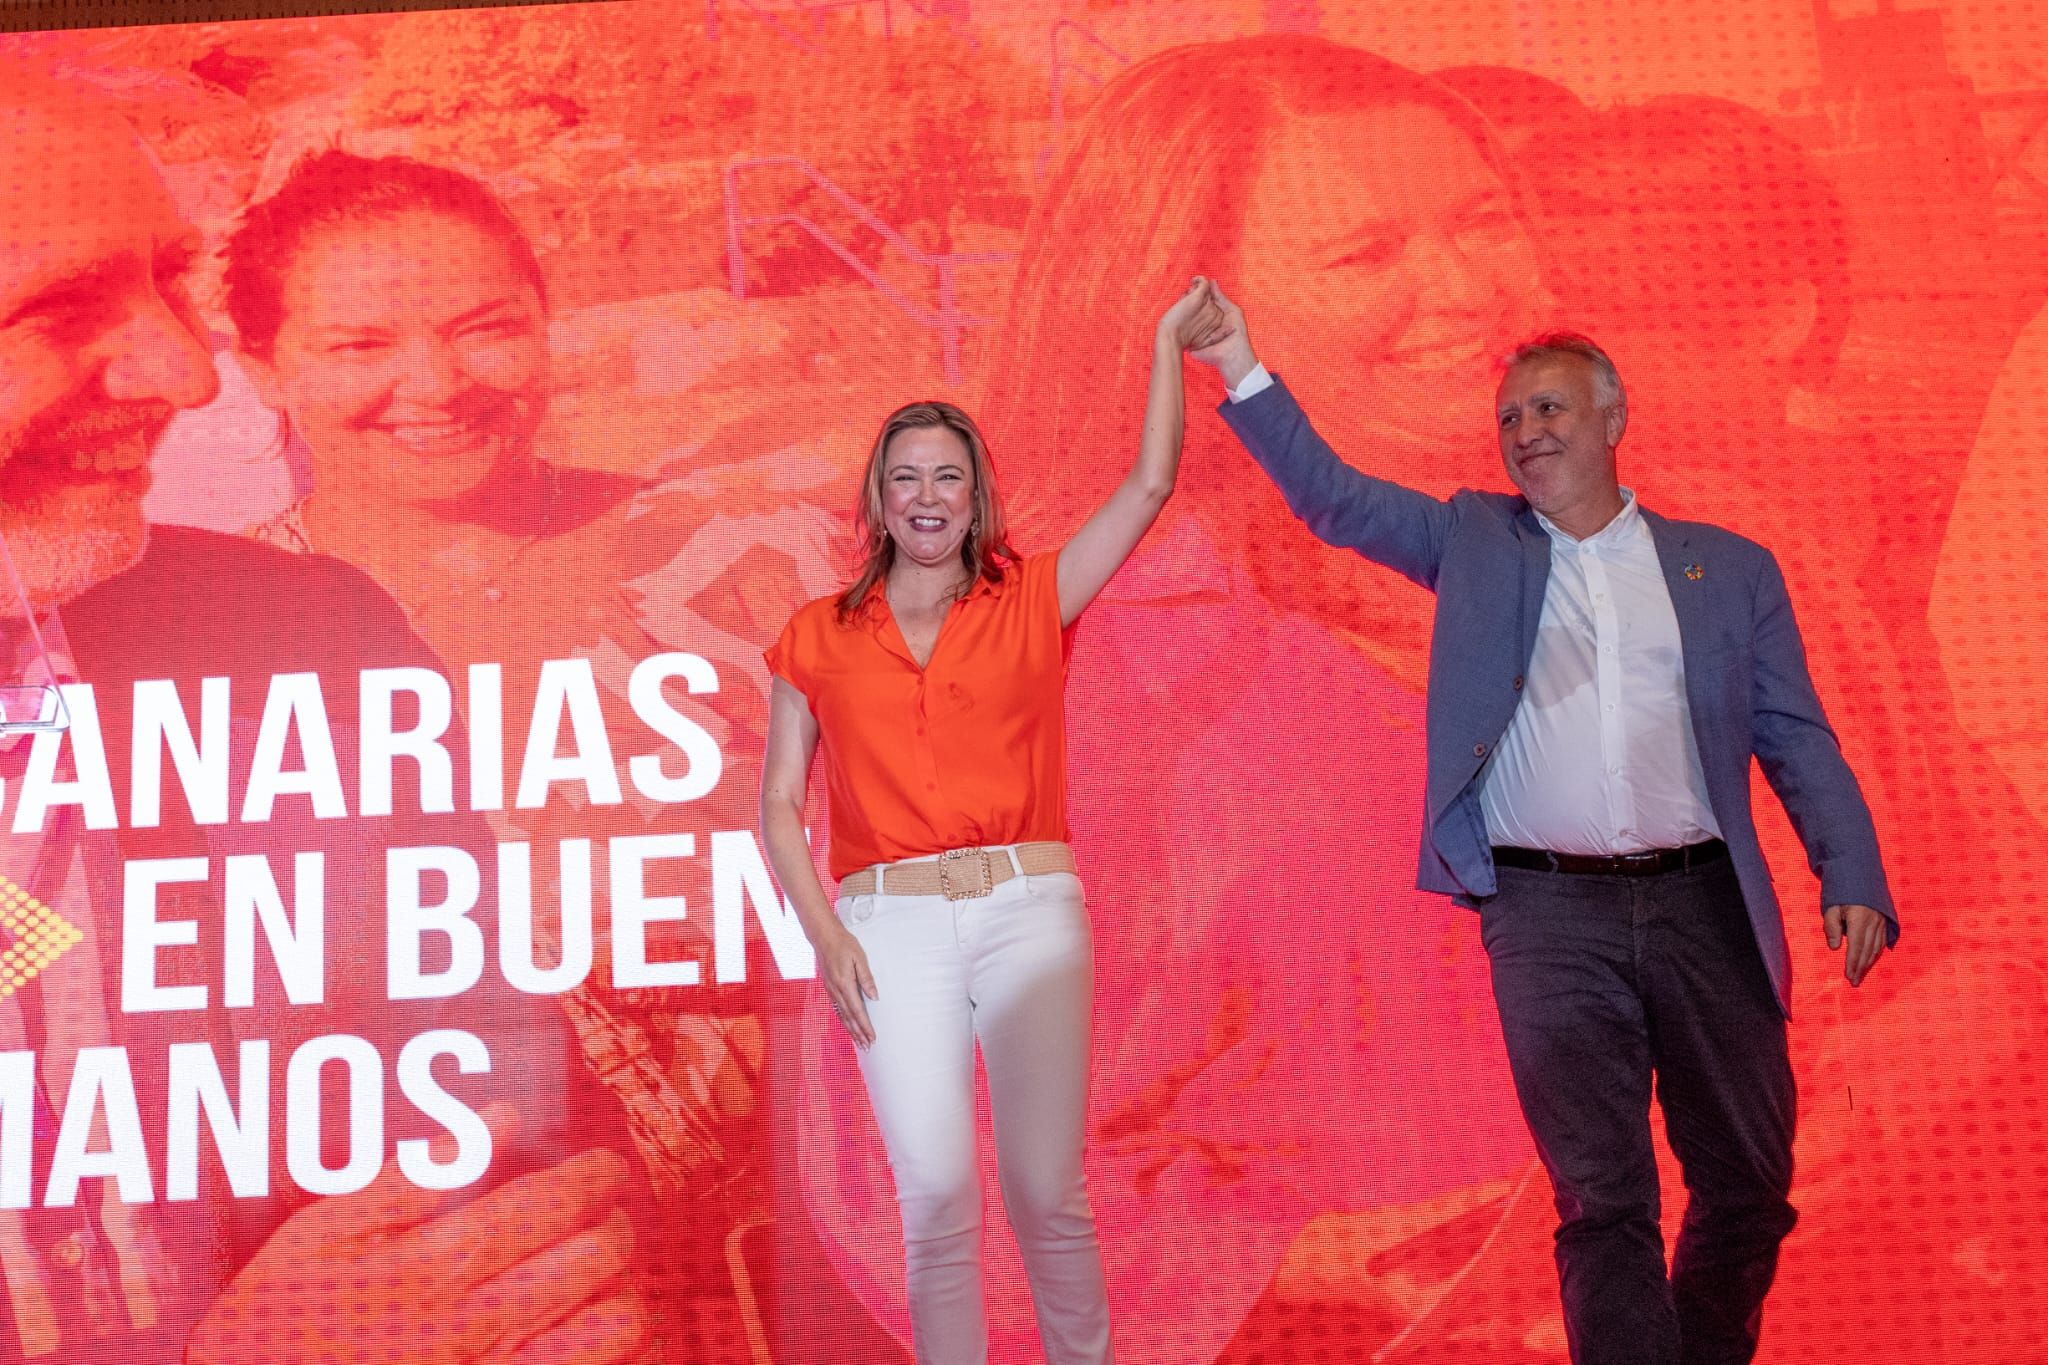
960,873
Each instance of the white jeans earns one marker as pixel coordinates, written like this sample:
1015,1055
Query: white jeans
1014,969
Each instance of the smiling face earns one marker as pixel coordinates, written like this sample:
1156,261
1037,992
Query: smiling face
412,356
1382,269
1557,440
928,500
1382,258
99,345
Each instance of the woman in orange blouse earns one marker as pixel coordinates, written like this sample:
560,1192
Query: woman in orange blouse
934,684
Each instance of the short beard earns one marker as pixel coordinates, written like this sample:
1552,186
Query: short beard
57,562
66,537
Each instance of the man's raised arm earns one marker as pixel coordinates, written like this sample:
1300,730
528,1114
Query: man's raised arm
1391,525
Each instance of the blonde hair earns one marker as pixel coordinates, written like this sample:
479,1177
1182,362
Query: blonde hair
1152,191
986,549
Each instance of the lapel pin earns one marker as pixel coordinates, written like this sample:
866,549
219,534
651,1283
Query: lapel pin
1695,572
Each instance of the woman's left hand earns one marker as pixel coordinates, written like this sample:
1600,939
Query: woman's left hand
1195,321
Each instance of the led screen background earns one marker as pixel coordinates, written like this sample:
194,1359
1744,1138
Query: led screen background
1811,234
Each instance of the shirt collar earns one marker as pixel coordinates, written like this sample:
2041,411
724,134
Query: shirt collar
874,608
985,587
1623,526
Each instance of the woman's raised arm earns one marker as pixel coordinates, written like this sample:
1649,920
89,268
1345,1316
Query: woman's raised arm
1107,538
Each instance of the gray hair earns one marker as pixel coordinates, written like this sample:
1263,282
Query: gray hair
1606,379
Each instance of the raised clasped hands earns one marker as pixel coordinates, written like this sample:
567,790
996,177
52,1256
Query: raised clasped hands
1226,346
534,1271
1862,929
1197,320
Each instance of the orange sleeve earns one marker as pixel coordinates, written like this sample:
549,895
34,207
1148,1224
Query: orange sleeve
788,658
1041,574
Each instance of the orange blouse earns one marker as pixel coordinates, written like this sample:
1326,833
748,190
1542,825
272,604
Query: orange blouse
969,750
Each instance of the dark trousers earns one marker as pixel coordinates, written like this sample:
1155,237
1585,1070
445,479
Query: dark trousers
1603,983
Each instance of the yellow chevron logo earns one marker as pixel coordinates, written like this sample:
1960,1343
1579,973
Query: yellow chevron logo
41,936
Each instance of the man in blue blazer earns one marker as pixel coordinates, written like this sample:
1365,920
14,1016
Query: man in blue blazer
1600,678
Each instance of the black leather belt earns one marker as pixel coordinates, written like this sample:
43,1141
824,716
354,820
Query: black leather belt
1649,863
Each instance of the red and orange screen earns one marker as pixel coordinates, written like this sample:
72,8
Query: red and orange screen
392,971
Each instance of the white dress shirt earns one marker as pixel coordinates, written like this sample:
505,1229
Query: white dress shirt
1599,756
1257,381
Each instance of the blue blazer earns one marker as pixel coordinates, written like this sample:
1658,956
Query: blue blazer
1487,559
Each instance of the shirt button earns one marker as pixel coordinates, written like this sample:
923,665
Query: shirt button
931,786
1479,751
1607,649
1518,682
1610,706
920,729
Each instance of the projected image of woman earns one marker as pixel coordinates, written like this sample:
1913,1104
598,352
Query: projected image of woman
935,686
396,314
1367,205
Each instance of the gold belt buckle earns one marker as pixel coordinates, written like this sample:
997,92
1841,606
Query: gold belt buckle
982,886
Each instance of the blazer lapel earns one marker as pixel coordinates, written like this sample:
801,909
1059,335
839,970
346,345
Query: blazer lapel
1688,602
1685,580
1535,578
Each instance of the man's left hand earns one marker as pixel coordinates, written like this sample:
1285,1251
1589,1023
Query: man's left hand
1863,929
